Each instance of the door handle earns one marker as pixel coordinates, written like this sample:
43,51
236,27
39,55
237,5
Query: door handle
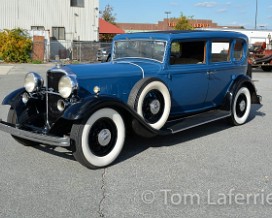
211,72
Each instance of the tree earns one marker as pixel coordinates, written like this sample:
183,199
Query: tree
108,15
15,45
183,23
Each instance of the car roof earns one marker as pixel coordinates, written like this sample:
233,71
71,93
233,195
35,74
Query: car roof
177,34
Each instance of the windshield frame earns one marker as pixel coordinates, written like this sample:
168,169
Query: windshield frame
165,42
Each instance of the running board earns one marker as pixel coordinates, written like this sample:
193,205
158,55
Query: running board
196,120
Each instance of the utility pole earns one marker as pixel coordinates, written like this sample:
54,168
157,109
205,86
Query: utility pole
256,14
167,13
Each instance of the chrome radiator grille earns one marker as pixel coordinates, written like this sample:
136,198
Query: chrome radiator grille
52,96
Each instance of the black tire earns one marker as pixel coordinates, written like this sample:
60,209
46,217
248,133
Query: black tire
150,98
266,68
241,106
249,70
99,139
12,118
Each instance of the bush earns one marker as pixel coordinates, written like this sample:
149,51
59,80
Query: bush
15,46
36,62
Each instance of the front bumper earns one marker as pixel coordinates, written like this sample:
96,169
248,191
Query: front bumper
35,137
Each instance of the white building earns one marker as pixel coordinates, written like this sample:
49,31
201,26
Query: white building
65,20
259,35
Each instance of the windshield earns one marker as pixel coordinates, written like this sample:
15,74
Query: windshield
148,49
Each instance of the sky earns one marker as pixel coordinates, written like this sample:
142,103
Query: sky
224,13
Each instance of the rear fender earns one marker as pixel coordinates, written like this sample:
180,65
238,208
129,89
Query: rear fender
240,81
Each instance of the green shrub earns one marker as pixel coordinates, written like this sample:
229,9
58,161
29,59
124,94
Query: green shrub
36,62
15,46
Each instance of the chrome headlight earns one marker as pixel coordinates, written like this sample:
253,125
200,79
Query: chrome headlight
67,85
33,82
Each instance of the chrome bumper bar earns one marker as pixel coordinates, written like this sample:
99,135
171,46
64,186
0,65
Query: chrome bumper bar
35,137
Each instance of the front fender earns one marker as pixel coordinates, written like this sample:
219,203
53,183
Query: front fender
86,107
13,97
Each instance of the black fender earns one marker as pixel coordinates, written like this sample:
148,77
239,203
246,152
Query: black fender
13,97
87,106
23,110
241,80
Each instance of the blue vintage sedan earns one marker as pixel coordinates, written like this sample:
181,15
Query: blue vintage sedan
156,83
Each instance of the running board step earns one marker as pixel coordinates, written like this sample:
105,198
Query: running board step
196,120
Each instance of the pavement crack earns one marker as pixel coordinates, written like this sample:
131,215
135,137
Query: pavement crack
103,188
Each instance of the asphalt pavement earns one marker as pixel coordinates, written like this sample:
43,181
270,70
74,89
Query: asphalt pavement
215,170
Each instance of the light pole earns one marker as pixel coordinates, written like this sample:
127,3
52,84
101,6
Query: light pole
256,14
75,16
167,13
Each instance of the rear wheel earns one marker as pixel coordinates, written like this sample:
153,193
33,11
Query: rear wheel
12,118
99,140
241,106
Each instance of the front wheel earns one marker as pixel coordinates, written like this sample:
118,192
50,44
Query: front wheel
99,140
241,106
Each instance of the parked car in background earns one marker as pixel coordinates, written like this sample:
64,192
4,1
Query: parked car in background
102,54
156,83
261,56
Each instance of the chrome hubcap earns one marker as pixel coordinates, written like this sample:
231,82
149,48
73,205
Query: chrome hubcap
104,137
242,105
155,106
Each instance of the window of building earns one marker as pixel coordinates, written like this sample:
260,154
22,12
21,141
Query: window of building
58,33
220,51
192,52
38,28
77,3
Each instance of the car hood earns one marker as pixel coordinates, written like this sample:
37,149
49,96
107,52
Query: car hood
114,69
113,78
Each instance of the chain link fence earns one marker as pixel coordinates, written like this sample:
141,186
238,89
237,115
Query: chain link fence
68,50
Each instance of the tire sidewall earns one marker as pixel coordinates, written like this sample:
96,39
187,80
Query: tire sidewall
236,119
159,86
90,157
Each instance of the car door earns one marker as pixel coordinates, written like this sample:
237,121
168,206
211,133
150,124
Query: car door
187,71
223,66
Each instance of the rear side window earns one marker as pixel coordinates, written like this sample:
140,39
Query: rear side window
238,49
189,52
220,51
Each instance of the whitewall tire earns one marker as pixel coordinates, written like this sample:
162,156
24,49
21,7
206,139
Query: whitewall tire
241,106
99,140
151,99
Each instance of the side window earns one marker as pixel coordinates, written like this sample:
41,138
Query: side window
238,50
220,51
189,52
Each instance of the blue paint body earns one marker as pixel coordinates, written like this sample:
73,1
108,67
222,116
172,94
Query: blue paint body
193,87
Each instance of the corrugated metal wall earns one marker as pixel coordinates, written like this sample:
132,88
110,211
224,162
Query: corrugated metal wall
80,23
